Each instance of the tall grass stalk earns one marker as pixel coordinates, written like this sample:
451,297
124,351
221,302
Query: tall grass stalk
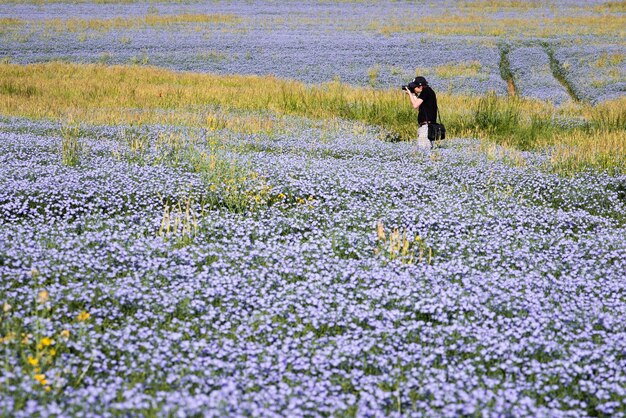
179,223
495,116
402,246
71,147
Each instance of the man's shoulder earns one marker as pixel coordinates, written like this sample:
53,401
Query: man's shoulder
427,93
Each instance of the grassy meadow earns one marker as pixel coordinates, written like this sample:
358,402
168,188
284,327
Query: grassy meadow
578,135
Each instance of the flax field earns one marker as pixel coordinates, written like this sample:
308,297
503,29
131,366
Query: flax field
216,208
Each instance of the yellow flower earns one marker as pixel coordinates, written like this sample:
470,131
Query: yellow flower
47,389
46,341
43,297
53,352
83,316
41,378
33,361
6,307
65,334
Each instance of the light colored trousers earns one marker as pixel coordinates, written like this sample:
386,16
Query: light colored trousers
422,137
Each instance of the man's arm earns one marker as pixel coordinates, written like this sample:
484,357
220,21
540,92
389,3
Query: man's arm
415,101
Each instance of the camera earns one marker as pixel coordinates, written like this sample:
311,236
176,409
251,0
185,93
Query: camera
411,86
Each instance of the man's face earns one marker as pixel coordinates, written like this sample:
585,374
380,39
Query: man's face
418,89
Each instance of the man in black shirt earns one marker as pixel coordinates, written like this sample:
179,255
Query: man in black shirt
424,99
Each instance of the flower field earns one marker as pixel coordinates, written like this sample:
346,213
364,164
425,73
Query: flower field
171,252
358,42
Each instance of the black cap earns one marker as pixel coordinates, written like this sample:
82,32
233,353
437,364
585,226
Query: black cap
420,81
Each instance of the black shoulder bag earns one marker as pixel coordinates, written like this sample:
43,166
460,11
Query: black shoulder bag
436,131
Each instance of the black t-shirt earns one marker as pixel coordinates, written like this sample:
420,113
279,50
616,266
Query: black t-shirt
428,109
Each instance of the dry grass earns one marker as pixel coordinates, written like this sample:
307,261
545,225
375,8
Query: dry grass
103,94
99,94
485,24
613,6
10,21
609,60
460,69
502,4
595,149
505,153
464,18
465,69
78,25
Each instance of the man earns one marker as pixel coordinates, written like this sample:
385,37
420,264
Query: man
424,100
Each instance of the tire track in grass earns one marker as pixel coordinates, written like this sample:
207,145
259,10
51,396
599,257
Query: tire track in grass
560,73
505,69
534,78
